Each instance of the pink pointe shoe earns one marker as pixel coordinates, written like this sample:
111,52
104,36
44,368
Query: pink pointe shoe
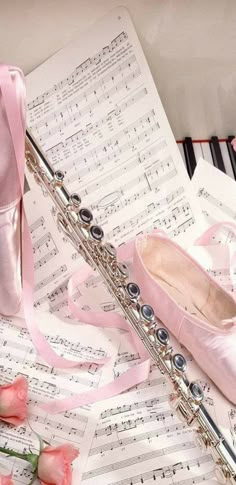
10,191
196,310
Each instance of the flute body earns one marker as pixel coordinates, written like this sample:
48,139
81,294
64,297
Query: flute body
186,397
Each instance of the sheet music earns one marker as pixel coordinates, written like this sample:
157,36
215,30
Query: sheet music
45,383
53,260
217,198
215,259
139,439
95,110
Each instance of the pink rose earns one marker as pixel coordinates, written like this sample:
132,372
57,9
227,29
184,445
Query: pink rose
13,401
54,465
233,143
6,480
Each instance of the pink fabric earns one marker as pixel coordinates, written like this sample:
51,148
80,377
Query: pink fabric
132,377
207,236
214,349
10,259
10,205
11,186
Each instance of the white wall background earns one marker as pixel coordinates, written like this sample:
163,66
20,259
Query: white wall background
190,46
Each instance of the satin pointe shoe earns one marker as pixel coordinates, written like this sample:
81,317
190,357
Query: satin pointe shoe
10,197
196,310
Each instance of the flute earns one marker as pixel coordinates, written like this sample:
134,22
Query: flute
187,397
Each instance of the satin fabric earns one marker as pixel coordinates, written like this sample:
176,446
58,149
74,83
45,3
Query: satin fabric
10,207
204,321
10,260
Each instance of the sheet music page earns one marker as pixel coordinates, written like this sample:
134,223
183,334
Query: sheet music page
215,258
216,194
94,109
139,439
18,357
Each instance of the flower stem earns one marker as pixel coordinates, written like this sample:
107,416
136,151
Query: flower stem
30,457
8,452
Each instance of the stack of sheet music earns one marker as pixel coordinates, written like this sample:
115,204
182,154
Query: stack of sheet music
95,110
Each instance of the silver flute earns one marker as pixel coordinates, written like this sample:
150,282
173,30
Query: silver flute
76,222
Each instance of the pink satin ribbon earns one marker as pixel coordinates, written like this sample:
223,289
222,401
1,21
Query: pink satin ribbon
207,236
133,376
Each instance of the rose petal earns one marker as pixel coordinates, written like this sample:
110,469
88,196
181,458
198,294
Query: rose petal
6,479
13,399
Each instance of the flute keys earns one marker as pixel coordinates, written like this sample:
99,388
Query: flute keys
152,329
196,392
162,336
97,233
59,175
62,224
133,291
122,270
179,406
147,313
110,250
31,161
58,178
179,363
85,216
201,440
174,400
75,201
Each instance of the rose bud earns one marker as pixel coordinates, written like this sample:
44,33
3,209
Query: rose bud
13,399
54,465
